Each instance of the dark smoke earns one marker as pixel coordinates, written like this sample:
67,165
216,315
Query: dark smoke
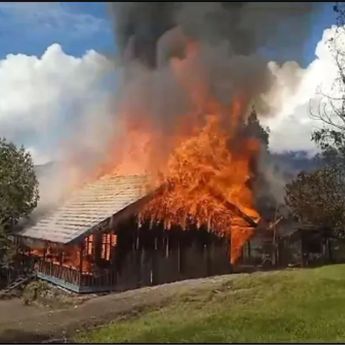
234,38
141,24
245,26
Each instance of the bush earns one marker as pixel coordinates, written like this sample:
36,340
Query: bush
33,291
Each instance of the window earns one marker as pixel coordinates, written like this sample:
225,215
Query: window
108,242
89,245
113,240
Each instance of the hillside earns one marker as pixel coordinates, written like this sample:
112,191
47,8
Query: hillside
306,305
295,161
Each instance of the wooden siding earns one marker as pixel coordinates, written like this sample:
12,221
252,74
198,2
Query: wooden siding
144,257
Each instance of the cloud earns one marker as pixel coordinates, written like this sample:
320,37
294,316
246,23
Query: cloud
58,104
60,108
48,17
294,90
45,100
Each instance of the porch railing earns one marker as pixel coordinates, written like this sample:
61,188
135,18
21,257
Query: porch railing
82,281
67,274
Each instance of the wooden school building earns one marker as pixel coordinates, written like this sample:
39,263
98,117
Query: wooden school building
93,242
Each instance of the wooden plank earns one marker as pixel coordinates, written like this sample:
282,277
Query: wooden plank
81,252
178,255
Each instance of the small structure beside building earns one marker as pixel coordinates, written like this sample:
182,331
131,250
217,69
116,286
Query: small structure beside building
314,247
93,242
291,244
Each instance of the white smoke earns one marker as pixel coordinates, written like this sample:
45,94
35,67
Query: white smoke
56,105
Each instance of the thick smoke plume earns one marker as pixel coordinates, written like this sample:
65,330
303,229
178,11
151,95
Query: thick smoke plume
246,27
233,39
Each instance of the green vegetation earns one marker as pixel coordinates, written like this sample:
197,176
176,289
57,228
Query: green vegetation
18,183
33,291
43,294
306,305
318,197
18,193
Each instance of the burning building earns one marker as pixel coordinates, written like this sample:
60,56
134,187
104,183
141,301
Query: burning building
125,229
96,242
189,75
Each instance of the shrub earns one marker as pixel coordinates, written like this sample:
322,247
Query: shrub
34,290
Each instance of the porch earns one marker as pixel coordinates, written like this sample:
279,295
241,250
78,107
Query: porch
75,280
140,257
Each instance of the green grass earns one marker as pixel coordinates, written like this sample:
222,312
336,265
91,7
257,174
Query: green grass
298,305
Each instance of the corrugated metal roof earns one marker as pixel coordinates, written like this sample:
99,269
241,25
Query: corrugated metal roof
88,207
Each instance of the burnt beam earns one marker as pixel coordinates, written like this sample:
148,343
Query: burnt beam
217,195
232,207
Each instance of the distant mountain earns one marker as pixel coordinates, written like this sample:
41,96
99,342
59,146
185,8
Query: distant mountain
293,162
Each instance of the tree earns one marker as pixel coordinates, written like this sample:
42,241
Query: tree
265,200
254,129
18,189
318,198
329,105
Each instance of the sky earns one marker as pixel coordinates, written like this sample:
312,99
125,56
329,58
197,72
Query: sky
322,20
53,67
77,27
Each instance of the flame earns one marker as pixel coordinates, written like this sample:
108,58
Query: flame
70,255
199,169
66,256
201,157
202,163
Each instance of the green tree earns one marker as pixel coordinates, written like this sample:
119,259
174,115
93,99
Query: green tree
18,189
254,129
265,201
329,104
318,198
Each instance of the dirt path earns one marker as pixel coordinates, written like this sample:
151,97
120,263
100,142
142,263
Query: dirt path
19,323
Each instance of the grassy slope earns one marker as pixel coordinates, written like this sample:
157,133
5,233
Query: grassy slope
296,305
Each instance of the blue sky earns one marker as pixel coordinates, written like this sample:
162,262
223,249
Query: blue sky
31,28
321,21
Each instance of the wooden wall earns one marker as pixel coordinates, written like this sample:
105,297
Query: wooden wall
152,256
145,256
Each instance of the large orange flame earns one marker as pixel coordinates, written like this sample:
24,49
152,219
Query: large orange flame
202,162
201,157
198,170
